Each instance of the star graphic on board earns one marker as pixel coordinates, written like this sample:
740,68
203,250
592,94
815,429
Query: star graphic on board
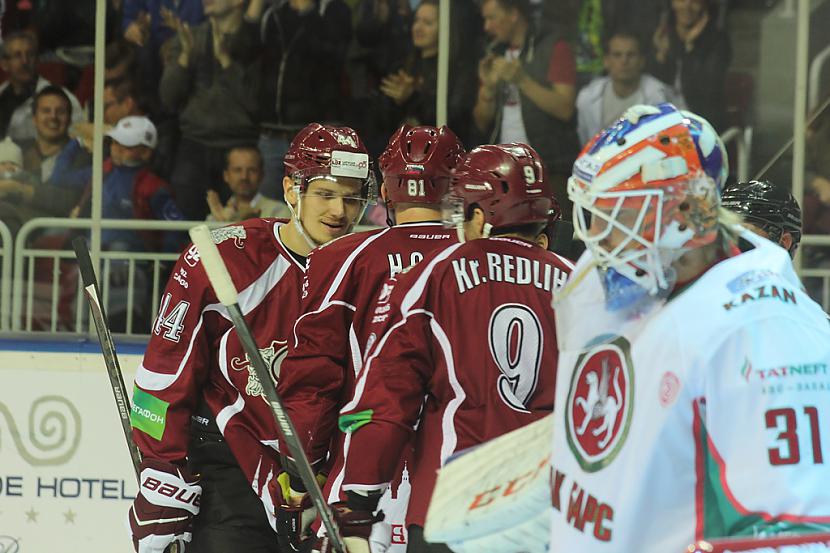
69,516
31,515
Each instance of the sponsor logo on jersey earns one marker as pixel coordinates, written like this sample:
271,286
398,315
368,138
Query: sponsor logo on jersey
192,256
751,373
273,356
149,414
760,293
236,233
386,292
600,402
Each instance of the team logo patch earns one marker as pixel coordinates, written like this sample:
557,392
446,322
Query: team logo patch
235,233
600,403
273,356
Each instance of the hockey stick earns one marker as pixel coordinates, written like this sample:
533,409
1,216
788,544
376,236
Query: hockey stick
122,401
93,297
226,292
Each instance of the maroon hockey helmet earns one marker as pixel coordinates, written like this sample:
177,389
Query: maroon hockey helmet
324,150
507,181
417,163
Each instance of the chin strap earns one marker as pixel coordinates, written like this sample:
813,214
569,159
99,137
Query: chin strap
485,232
389,221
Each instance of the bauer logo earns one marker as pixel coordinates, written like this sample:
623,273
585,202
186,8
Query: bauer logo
149,414
599,407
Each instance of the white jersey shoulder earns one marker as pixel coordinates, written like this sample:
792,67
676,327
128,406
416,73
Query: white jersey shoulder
659,417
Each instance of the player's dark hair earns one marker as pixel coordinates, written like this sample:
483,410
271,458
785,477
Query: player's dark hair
52,90
529,231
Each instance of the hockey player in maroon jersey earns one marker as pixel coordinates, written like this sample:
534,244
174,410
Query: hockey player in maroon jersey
199,417
343,280
464,341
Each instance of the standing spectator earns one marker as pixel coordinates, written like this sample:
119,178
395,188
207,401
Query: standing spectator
303,46
606,98
412,89
383,44
527,90
213,88
18,55
692,54
243,175
143,25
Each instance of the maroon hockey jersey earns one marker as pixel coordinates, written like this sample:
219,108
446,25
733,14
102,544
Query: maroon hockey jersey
465,351
194,353
342,282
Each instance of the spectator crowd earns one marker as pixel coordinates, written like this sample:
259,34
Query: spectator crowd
202,97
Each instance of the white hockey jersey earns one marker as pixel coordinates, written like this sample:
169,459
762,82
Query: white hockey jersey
708,416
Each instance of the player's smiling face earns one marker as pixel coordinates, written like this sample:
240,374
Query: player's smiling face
330,207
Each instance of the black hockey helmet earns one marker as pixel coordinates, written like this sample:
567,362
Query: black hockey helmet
767,206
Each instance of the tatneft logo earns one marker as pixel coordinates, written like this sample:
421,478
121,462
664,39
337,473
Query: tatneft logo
782,372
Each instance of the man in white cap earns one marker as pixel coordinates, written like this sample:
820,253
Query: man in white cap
131,190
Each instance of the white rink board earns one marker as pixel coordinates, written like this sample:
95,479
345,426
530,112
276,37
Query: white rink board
66,480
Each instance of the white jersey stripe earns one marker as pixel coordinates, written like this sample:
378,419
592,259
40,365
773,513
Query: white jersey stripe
449,439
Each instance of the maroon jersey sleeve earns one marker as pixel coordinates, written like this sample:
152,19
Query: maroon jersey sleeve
185,338
175,364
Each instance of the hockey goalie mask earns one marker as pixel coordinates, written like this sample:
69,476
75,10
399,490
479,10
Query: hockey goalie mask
506,181
417,163
323,152
646,190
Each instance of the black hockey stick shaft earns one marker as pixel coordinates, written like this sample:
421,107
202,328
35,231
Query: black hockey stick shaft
119,390
222,284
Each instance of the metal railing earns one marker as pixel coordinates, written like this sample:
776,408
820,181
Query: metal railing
5,275
742,137
48,298
56,304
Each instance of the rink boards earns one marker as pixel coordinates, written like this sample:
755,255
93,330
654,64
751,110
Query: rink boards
66,480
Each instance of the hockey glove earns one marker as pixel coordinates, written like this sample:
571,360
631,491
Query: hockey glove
161,514
294,510
355,520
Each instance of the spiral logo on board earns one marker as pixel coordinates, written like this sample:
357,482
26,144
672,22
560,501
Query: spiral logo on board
51,435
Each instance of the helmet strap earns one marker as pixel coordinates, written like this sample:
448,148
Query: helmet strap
485,232
389,221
